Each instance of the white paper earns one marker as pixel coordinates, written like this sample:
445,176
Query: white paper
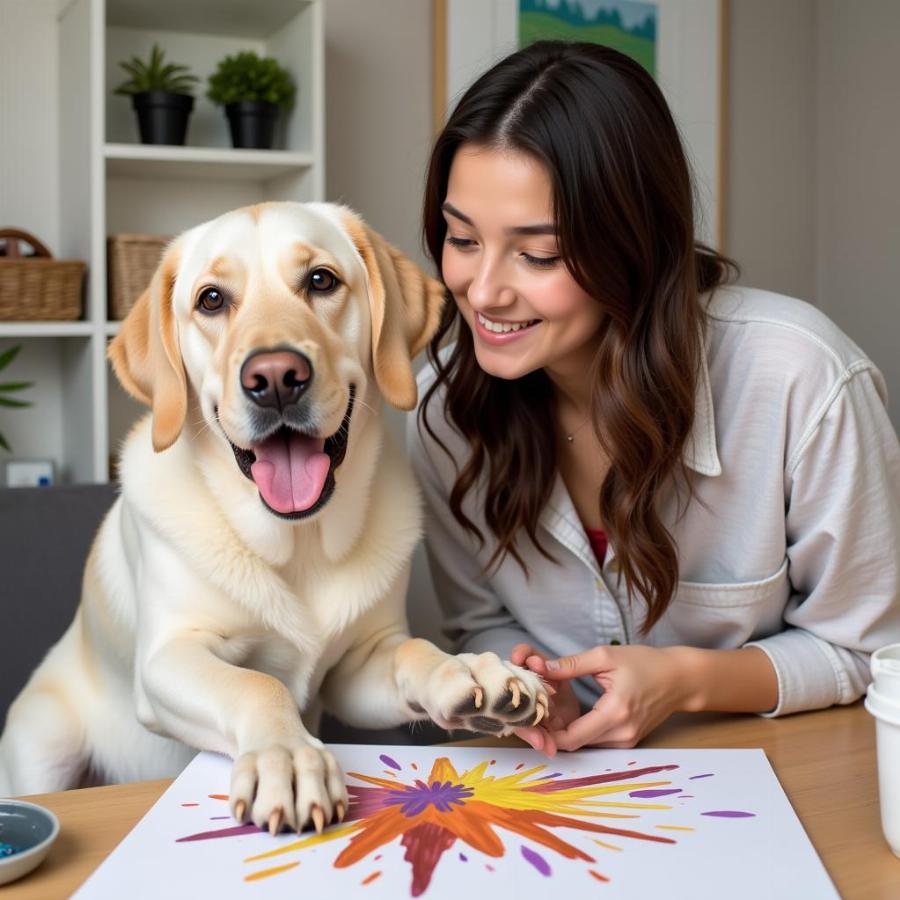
443,839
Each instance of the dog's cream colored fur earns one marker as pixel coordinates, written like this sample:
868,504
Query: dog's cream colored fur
207,621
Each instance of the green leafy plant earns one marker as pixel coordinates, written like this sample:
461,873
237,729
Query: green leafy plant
247,76
10,387
154,76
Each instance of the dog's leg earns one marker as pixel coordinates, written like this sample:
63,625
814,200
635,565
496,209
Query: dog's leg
42,747
282,774
392,678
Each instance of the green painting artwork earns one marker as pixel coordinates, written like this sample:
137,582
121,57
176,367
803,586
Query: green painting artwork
626,25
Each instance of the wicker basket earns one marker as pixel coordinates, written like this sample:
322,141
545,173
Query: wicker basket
37,287
132,260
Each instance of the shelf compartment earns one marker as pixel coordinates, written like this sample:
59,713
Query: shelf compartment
217,163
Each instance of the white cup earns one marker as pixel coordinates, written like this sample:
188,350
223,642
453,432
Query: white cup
883,702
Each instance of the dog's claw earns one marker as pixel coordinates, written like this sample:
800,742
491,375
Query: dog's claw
516,692
275,821
318,818
339,810
240,808
541,712
479,697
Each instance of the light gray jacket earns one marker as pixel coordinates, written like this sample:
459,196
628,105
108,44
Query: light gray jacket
794,547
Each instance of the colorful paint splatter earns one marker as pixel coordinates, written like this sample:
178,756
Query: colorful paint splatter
475,809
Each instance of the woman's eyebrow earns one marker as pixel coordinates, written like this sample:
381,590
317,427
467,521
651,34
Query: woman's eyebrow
547,228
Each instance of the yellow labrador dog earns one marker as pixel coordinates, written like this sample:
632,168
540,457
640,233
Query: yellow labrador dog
254,569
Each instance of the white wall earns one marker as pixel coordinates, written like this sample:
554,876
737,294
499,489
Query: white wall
378,136
814,144
28,97
857,180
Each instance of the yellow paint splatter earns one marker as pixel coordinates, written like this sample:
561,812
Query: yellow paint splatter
608,846
267,873
330,835
676,827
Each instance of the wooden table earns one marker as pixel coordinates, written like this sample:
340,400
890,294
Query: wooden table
824,760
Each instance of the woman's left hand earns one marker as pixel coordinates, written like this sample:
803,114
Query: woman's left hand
642,687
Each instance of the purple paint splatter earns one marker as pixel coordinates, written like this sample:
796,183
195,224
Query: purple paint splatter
463,857
654,793
729,814
695,777
389,762
413,801
216,818
537,861
223,833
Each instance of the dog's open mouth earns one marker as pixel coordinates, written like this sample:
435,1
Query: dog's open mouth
293,471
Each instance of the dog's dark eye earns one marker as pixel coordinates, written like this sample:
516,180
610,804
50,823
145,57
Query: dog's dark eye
322,281
211,300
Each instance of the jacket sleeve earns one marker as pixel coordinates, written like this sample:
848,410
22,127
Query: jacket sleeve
475,620
842,495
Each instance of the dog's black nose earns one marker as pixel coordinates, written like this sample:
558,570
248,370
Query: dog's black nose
275,378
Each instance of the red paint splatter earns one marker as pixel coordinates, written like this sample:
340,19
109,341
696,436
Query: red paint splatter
414,767
493,762
425,844
597,875
520,766
190,804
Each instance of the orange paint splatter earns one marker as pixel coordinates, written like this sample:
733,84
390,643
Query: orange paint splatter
370,878
268,873
217,796
597,875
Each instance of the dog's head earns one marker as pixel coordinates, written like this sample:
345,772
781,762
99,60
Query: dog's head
280,320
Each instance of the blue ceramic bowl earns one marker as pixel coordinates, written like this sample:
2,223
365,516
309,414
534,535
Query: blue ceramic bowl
31,830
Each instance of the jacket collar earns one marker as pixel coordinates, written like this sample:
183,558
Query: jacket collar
700,451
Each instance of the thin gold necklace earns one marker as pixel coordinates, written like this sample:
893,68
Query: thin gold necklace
571,436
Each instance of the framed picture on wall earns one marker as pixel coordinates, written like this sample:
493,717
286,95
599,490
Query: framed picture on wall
682,43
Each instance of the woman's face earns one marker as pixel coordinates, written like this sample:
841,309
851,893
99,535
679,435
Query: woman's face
501,263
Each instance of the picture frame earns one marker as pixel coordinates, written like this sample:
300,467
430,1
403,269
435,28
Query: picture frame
691,68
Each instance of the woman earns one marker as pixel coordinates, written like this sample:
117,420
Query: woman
658,491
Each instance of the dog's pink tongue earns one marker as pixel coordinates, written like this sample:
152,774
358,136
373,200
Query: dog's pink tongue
290,471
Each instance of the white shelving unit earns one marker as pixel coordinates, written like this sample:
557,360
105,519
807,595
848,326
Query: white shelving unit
109,183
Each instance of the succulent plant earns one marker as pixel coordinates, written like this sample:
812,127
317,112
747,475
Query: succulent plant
10,387
247,76
154,76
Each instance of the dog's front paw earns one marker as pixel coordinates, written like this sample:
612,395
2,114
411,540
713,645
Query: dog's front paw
288,787
481,692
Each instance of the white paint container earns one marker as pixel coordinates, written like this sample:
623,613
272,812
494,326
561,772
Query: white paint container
883,702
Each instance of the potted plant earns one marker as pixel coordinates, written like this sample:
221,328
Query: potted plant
161,95
253,90
10,387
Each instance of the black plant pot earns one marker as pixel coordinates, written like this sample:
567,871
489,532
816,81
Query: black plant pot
162,117
252,123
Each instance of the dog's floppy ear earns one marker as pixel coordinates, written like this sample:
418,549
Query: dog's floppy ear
406,309
146,357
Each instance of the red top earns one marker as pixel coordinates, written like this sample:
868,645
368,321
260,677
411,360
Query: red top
597,537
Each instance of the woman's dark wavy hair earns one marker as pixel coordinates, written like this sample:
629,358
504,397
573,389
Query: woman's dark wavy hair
623,205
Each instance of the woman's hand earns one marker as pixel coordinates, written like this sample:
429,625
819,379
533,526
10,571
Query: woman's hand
564,706
642,686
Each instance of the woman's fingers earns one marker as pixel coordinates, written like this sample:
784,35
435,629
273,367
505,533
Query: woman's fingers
539,739
520,653
587,729
588,663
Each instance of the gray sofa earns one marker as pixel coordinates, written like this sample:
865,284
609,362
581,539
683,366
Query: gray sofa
45,534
